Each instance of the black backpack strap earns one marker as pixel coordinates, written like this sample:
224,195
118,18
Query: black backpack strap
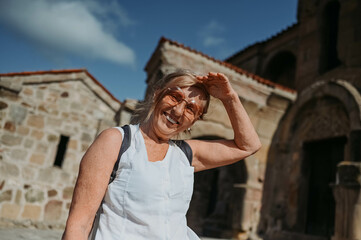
184,146
125,145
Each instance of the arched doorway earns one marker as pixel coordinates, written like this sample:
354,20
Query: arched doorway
313,138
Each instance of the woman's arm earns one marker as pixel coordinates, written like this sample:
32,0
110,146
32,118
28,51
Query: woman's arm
94,173
211,154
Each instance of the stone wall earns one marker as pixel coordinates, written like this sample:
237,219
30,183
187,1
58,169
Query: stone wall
35,111
304,41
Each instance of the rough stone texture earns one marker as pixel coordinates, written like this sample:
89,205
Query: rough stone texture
327,108
31,212
32,121
34,195
68,192
6,195
53,210
10,211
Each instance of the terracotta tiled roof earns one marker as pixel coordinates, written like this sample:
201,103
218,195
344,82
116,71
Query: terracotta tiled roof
65,71
228,65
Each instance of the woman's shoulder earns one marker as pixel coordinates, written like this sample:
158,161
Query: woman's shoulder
111,134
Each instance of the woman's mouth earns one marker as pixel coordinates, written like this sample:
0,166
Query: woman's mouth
171,119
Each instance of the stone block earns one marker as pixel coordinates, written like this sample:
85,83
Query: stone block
34,195
28,172
31,212
84,147
10,126
73,144
42,108
17,114
10,211
68,192
77,107
8,169
39,94
37,158
52,193
19,154
3,105
65,114
53,210
38,135
54,122
28,91
48,175
86,137
53,138
6,196
42,148
28,143
22,130
36,121
10,139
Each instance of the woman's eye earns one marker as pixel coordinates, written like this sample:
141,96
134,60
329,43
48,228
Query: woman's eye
173,98
191,108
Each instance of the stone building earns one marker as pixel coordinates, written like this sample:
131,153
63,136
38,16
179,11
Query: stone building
303,184
48,119
226,201
312,182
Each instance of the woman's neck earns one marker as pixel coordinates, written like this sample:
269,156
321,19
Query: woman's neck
149,133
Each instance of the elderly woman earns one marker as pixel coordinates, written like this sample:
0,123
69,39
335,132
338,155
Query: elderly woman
150,194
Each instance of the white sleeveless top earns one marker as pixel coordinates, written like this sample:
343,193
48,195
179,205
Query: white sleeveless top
148,200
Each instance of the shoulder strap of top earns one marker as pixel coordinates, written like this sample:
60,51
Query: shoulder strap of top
125,145
184,146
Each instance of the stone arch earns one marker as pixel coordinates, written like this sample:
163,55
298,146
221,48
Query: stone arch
346,93
281,68
326,112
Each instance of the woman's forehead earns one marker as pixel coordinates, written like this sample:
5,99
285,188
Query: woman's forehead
194,92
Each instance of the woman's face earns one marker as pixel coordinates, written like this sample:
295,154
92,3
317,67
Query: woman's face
178,109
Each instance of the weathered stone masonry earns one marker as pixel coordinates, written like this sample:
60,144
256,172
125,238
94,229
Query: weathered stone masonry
36,110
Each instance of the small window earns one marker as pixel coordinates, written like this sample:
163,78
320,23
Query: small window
60,154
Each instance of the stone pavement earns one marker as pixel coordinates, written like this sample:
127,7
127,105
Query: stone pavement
38,234
29,234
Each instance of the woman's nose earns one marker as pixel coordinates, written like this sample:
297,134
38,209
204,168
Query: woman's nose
179,108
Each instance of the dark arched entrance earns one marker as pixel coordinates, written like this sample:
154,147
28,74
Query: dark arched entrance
210,213
281,69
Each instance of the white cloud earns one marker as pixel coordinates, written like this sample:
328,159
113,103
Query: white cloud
210,34
210,41
75,27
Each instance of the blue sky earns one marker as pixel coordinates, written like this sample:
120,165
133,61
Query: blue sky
114,39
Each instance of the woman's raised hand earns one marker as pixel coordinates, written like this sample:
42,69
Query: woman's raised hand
217,85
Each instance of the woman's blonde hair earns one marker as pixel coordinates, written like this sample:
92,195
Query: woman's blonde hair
180,78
